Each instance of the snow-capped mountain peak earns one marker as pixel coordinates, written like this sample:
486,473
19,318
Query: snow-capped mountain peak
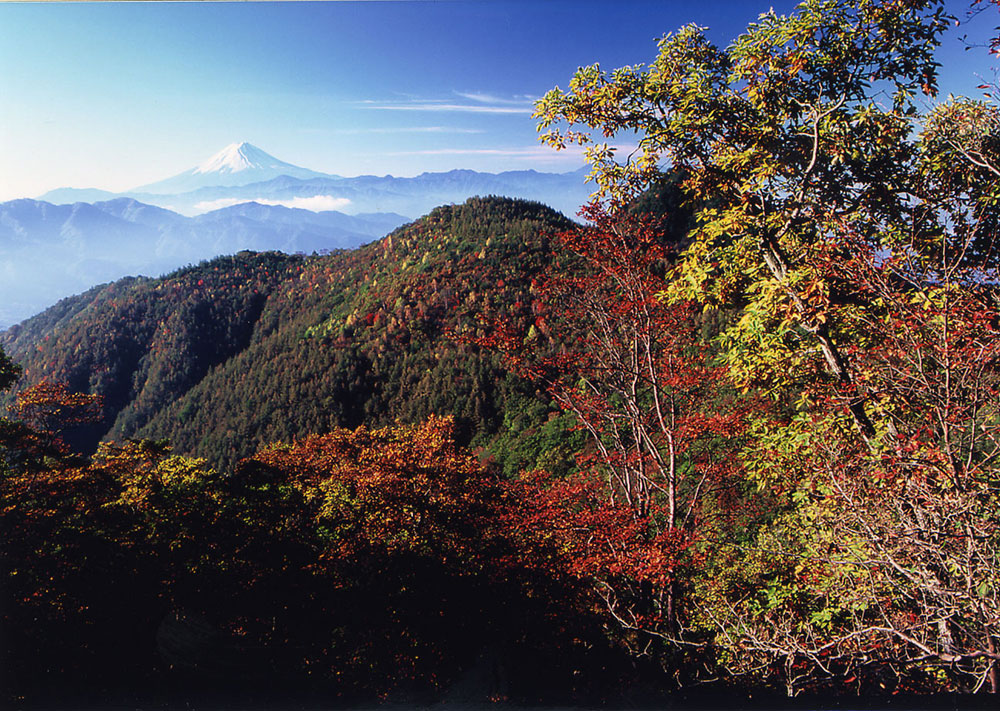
236,164
237,157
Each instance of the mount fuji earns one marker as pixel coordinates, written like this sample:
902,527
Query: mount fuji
242,173
235,165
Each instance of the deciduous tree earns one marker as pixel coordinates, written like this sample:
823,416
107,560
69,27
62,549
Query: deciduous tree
784,141
657,480
862,258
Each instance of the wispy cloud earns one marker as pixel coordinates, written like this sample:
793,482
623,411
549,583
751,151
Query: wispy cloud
436,106
483,98
316,203
475,102
409,129
570,155
539,152
475,152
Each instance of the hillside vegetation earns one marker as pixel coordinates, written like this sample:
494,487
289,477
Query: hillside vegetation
224,357
750,446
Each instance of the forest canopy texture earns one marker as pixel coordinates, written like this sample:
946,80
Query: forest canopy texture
740,430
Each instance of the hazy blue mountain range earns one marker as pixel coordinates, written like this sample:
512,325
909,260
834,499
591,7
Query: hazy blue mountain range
226,356
241,198
242,172
48,251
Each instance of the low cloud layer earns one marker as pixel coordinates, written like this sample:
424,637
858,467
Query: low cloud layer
315,203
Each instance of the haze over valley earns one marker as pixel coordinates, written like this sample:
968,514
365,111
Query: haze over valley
239,199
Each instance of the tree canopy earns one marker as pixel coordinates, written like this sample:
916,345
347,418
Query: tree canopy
855,240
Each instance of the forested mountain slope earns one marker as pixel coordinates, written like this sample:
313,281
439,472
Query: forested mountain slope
240,351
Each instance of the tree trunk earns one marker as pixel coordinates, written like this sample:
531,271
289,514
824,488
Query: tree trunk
835,362
994,672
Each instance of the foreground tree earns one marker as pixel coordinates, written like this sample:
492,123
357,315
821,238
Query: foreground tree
863,263
9,371
783,143
49,408
412,535
657,483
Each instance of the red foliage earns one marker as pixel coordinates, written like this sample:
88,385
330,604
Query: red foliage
659,476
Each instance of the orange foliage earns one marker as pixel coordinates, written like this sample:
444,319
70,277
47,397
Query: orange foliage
49,408
402,489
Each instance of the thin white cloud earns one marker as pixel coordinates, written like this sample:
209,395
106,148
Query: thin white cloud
478,102
485,98
528,152
408,129
466,108
316,203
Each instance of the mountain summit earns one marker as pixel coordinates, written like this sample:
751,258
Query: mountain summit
236,164
237,157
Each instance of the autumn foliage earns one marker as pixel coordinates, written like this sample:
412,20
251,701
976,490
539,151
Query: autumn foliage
752,444
354,564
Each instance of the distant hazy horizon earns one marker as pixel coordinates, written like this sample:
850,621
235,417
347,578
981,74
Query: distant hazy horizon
116,95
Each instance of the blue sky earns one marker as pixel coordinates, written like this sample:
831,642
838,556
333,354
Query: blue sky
120,94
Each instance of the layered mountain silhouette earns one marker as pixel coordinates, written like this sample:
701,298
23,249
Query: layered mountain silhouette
242,172
48,252
241,198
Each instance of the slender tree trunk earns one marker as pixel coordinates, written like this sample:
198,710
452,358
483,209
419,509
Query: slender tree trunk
671,607
994,672
835,361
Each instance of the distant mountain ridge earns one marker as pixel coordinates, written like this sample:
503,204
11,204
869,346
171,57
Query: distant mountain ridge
240,198
241,172
48,252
